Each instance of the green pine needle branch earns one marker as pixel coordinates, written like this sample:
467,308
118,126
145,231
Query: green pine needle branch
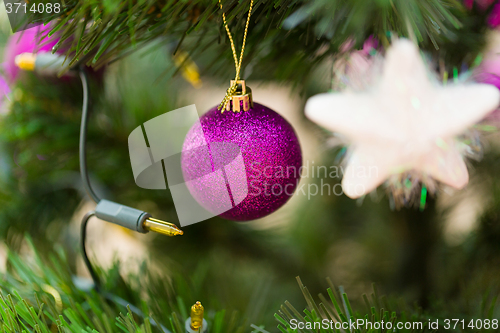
38,295
336,308
288,38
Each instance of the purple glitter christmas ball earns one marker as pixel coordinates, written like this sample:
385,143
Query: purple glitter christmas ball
255,155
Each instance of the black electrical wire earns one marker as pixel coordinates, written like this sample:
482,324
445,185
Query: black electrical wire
83,138
88,188
83,238
97,282
85,176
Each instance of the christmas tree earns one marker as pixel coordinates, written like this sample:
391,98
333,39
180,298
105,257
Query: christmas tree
385,110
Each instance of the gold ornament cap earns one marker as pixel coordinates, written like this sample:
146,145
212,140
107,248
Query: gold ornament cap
241,98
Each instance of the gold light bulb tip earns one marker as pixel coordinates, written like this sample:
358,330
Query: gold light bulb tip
25,61
197,312
162,227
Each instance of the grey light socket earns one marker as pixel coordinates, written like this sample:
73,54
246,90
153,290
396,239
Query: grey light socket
124,216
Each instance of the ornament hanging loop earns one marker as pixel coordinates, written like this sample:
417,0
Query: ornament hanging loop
234,94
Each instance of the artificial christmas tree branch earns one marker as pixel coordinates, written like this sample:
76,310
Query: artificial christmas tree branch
98,32
40,296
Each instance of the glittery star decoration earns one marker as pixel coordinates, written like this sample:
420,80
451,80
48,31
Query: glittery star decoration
406,122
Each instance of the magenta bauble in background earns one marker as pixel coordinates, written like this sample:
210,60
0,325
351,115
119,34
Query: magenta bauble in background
268,152
4,92
483,5
489,70
33,40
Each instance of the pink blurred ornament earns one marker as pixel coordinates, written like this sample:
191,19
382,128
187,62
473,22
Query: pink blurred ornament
4,92
494,18
33,40
258,153
370,45
353,70
482,4
489,71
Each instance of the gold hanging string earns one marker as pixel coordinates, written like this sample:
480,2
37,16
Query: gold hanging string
237,63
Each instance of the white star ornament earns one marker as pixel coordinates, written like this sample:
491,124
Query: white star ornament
406,122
